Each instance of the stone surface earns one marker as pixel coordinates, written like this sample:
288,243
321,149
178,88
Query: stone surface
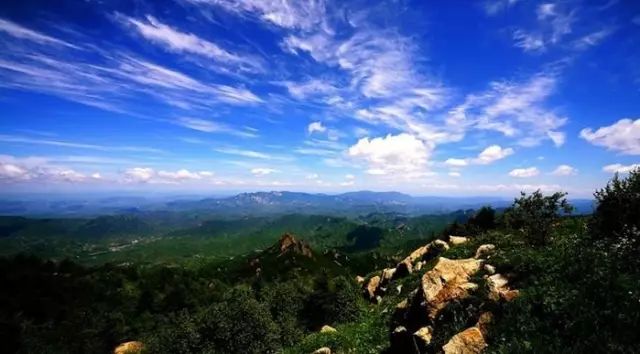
457,240
323,350
372,287
327,329
133,347
424,335
498,286
484,251
469,341
448,280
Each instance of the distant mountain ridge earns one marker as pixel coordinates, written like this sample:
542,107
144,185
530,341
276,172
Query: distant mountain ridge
264,203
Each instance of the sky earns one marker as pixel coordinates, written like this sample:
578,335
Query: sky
424,97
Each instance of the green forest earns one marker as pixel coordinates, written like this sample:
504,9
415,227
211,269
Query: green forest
288,284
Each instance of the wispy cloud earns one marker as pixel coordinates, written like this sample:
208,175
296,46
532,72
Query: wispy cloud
291,14
16,139
515,109
177,41
622,136
17,31
209,126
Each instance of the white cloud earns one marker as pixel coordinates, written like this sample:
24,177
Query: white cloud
139,174
454,174
401,154
261,171
349,176
457,162
616,167
487,156
291,14
514,109
524,172
491,154
209,126
529,42
309,88
493,7
17,31
316,127
312,176
622,136
149,175
177,41
592,39
14,169
13,172
244,153
564,170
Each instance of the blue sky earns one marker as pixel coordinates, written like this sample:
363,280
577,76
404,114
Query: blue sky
425,97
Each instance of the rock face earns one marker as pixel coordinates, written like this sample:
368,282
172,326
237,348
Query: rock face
289,244
323,350
471,340
448,280
133,347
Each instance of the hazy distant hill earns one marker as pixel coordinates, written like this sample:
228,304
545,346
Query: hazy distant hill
260,203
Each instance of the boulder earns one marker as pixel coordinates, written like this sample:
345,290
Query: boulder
457,240
484,251
387,275
323,350
423,336
408,265
447,281
489,269
133,347
359,279
402,342
372,287
498,286
469,341
327,329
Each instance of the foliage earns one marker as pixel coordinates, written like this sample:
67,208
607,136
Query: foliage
536,215
617,217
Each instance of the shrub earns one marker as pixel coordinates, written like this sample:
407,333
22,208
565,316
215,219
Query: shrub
617,216
535,215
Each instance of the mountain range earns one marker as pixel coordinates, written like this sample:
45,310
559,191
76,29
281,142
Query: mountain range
259,203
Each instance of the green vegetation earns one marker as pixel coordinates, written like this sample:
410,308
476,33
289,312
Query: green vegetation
229,286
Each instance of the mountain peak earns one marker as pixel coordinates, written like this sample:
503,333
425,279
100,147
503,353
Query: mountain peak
289,244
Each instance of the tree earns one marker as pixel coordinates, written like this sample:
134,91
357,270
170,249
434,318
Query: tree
536,214
617,215
483,220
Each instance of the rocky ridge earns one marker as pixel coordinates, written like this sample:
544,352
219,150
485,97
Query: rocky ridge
419,321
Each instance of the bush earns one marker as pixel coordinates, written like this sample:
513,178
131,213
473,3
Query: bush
535,215
617,216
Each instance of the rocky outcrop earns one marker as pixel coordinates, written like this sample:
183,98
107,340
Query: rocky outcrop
448,280
289,244
471,340
457,240
371,289
360,279
432,249
323,350
377,285
498,286
484,251
418,320
133,347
